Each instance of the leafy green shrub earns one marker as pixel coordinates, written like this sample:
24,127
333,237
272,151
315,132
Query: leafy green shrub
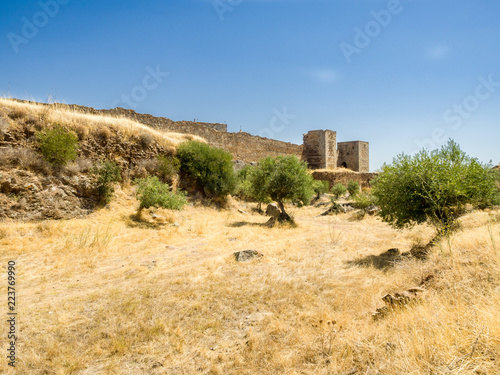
338,190
258,177
105,175
283,178
243,182
434,187
320,187
151,192
167,167
57,145
353,188
211,168
363,201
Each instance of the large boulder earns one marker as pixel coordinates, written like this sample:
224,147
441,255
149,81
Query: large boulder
273,210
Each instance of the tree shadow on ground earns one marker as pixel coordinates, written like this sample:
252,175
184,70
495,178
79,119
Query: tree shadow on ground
272,222
135,221
240,224
383,261
391,257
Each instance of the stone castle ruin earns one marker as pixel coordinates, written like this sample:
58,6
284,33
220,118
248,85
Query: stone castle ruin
320,148
321,151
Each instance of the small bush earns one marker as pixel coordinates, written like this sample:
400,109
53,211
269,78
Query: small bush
104,133
167,167
82,132
4,127
353,188
320,187
80,165
146,139
151,192
363,201
106,174
58,145
17,114
243,182
24,158
210,168
145,168
338,190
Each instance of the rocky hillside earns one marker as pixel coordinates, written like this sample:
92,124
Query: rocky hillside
30,188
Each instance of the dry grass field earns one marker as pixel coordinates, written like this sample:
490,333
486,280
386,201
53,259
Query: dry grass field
112,295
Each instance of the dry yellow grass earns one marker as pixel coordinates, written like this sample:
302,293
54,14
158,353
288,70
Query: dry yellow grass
110,295
90,123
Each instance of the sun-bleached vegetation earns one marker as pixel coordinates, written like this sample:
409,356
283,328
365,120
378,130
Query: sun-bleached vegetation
85,124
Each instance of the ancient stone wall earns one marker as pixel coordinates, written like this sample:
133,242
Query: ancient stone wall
343,177
216,126
243,146
319,149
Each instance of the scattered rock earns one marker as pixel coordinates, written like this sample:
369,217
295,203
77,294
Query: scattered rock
39,197
246,255
339,208
273,210
396,301
157,364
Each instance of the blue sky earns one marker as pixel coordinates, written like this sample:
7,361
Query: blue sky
399,74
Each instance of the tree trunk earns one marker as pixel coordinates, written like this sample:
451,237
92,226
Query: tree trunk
283,216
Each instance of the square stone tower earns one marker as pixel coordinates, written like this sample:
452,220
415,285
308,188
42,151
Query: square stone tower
354,156
320,149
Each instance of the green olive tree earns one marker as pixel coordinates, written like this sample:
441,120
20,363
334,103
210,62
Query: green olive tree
434,187
283,178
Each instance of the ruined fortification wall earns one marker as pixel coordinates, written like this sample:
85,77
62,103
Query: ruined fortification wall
343,177
243,146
